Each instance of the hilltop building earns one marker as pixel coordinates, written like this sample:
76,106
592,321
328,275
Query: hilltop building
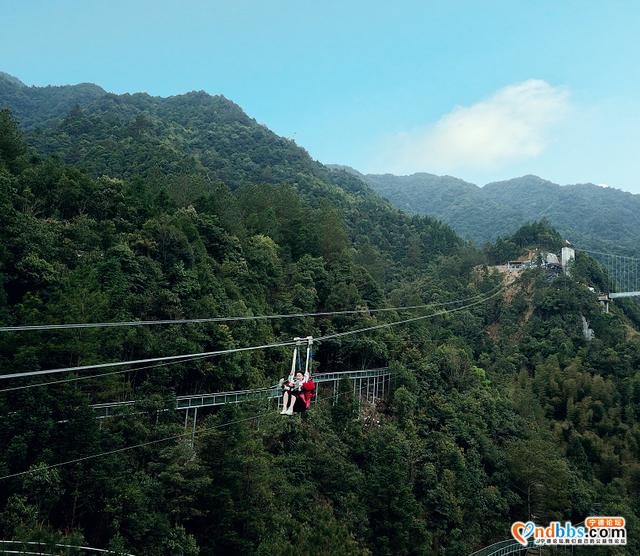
568,254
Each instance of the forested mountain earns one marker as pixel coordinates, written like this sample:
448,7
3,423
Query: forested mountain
34,106
122,208
195,144
591,216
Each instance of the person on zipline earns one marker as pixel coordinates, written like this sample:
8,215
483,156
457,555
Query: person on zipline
297,392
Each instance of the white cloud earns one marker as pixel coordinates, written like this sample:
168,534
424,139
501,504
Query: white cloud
512,124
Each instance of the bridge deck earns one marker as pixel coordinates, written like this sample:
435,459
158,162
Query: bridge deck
221,398
623,294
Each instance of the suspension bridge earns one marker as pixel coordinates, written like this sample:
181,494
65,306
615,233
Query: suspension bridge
368,384
623,275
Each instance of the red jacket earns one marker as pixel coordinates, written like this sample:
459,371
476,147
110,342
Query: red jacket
307,393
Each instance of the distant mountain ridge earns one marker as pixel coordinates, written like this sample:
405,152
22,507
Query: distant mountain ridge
589,215
188,142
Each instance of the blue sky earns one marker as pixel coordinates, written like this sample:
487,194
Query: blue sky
480,90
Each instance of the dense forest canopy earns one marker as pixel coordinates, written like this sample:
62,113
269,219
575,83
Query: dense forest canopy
592,216
118,208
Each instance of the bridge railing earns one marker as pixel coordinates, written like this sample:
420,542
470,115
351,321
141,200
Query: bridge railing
511,546
502,548
213,399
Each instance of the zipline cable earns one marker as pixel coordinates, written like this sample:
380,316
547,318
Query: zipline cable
178,358
132,447
202,431
591,252
184,357
226,319
88,377
396,323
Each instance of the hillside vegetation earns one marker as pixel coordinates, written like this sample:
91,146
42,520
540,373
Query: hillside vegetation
133,207
592,217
